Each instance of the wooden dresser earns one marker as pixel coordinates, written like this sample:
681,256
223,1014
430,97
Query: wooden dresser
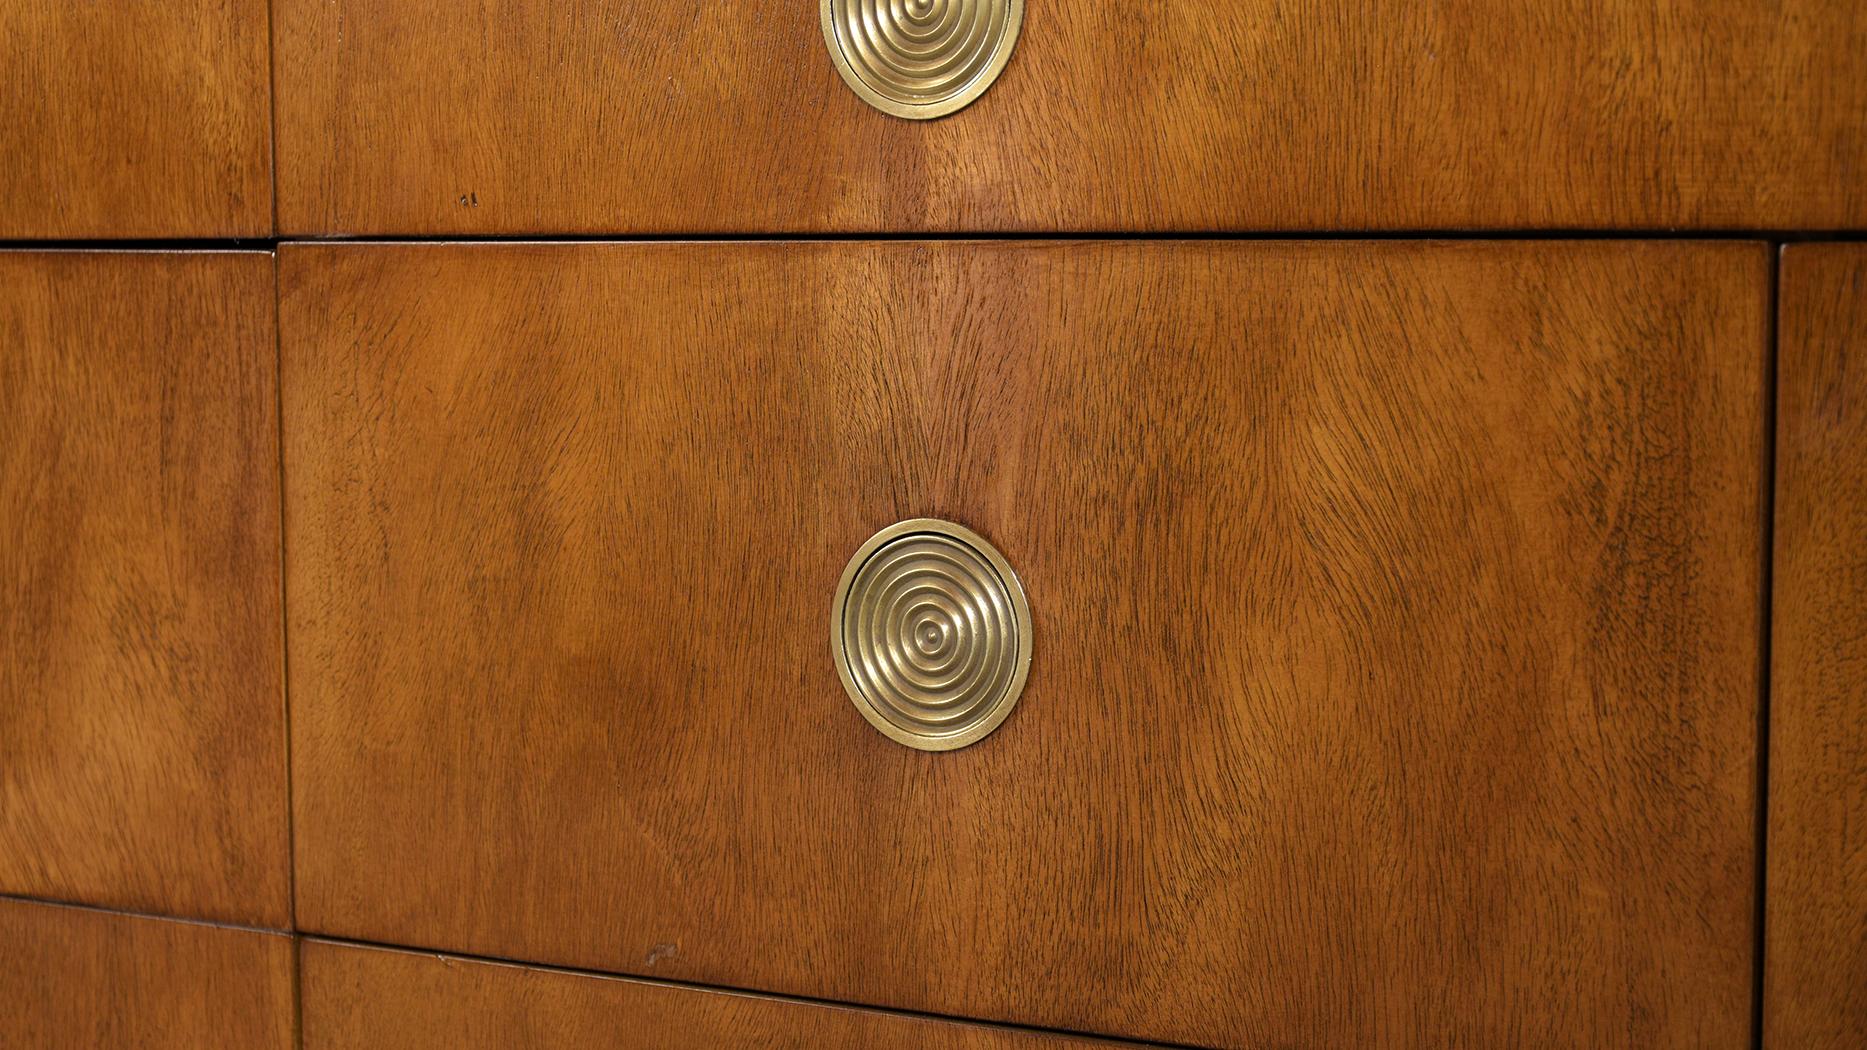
969,524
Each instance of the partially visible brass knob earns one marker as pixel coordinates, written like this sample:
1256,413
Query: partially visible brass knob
921,58
931,634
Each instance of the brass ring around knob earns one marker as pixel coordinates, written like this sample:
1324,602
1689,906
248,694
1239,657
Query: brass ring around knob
932,634
921,58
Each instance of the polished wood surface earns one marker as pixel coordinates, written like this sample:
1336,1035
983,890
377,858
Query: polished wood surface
563,116
142,736
77,979
1815,964
122,119
1396,612
356,998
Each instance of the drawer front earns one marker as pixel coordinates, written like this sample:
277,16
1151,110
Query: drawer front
75,979
1815,993
358,998
121,120
142,730
1395,611
569,116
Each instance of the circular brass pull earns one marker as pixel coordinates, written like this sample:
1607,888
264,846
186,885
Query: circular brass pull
932,634
921,58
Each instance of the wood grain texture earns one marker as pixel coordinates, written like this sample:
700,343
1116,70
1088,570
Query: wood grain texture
142,737
563,116
1815,966
122,119
1396,611
76,979
357,998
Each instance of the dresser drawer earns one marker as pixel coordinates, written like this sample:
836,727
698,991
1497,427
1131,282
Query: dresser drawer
76,979
142,726
1393,613
574,116
358,998
124,119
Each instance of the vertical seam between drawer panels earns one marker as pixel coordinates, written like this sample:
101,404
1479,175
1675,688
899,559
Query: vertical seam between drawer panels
1766,603
285,658
285,648
272,115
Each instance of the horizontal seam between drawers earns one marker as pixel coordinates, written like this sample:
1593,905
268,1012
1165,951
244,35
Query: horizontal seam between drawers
1775,237
52,902
724,989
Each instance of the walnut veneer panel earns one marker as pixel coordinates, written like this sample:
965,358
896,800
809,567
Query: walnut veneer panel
76,979
1396,612
142,727
566,116
121,119
1816,959
357,998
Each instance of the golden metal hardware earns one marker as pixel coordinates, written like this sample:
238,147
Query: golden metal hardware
932,634
921,58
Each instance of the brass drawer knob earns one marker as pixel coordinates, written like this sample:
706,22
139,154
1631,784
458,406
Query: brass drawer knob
921,58
932,634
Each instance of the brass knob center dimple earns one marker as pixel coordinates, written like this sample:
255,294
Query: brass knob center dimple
931,638
931,634
920,58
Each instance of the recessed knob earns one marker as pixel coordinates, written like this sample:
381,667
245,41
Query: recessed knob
931,634
921,58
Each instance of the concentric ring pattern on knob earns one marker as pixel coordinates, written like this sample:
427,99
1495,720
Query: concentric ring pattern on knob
932,634
921,58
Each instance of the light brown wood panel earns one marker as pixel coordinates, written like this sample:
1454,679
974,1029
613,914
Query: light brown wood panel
1815,965
362,997
142,726
1396,611
121,119
528,116
77,979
